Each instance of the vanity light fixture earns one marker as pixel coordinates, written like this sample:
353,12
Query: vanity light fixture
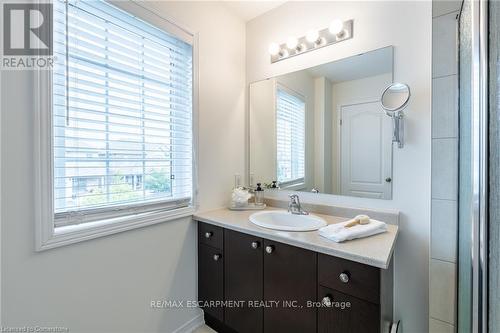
337,31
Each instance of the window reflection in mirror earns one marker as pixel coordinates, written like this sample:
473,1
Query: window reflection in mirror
290,136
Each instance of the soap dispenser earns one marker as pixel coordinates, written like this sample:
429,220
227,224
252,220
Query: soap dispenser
259,195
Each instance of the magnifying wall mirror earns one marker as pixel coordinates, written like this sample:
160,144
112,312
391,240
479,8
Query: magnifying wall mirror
395,97
394,100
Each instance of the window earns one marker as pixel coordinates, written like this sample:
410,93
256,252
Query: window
290,136
122,115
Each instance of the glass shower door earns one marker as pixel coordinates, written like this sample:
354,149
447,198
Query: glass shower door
464,294
494,169
473,166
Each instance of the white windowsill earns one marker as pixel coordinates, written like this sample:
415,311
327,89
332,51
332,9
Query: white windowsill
81,232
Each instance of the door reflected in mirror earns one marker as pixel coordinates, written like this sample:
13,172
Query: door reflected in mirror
324,129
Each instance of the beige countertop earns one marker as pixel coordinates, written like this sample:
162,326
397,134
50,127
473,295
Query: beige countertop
374,251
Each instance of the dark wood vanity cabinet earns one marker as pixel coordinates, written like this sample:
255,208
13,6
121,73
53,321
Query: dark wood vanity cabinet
273,287
211,270
243,280
290,279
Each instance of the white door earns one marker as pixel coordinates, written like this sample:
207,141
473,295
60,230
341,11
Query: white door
365,151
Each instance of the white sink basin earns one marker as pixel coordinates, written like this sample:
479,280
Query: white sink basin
282,220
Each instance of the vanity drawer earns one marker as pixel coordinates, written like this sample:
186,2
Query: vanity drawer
348,277
210,235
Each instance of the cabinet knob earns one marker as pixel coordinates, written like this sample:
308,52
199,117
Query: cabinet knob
208,234
344,277
255,245
388,180
217,257
326,301
269,249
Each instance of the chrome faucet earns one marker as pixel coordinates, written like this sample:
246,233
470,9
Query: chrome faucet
294,206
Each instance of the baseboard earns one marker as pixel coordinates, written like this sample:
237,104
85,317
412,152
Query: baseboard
192,324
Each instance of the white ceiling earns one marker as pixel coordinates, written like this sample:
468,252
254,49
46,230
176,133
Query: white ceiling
248,10
356,67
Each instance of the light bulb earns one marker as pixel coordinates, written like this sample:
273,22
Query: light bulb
312,36
292,42
274,49
301,47
336,27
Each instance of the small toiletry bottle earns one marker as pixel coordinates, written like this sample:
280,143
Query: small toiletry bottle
259,195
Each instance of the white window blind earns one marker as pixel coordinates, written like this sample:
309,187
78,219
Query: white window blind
290,136
122,114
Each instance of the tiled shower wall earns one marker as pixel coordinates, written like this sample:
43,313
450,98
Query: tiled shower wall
444,219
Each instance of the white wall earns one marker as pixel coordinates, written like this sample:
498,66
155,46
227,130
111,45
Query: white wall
106,284
407,26
323,135
319,133
328,138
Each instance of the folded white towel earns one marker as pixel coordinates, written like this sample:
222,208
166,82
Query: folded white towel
338,233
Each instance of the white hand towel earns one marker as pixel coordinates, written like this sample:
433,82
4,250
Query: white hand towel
338,233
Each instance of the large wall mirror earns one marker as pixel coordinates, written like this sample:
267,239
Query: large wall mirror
323,129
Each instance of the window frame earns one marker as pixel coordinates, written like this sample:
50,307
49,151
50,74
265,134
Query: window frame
47,236
298,183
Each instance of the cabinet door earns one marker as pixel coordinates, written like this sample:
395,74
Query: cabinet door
290,280
243,281
211,279
343,313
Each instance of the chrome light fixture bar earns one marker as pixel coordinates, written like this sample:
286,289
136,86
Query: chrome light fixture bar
338,31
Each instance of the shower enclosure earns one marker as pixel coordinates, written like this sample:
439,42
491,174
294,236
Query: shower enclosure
494,169
478,249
